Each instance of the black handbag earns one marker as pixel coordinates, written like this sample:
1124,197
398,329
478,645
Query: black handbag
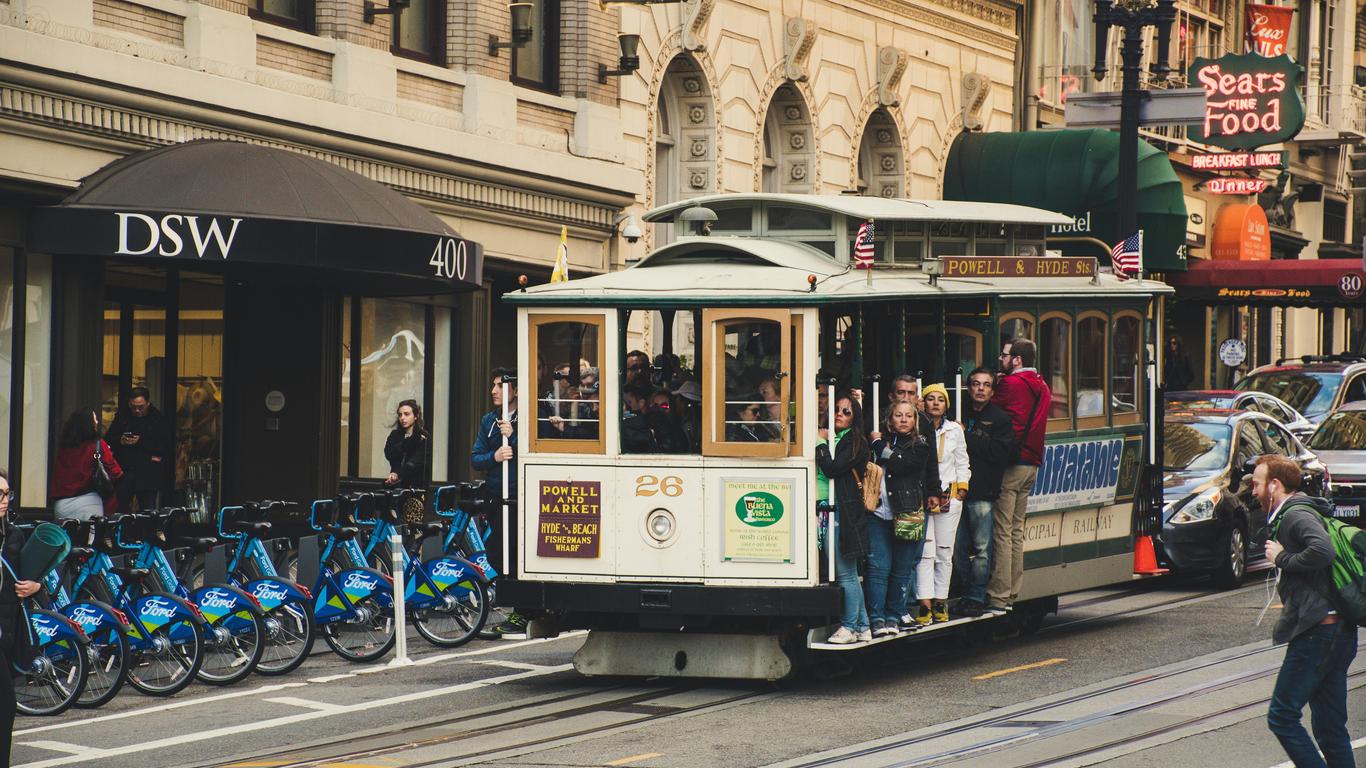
100,482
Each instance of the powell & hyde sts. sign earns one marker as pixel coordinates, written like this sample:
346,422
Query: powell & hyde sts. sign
1250,100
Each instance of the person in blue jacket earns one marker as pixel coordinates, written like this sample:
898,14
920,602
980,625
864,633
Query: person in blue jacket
488,456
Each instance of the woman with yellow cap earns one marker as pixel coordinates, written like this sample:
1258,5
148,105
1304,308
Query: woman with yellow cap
936,562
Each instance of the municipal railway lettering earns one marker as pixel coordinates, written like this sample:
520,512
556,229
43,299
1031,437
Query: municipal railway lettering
570,518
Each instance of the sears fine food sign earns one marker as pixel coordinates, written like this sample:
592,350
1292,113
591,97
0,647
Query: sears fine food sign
1250,100
570,521
1077,475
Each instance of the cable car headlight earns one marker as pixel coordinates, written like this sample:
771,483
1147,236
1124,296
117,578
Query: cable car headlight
660,526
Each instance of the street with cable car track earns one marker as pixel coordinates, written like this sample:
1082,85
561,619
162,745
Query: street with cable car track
1163,672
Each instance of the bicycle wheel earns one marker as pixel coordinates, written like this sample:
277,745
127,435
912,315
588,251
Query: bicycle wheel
167,660
108,658
233,646
290,633
364,637
53,680
457,621
497,615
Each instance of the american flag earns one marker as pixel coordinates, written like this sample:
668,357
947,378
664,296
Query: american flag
863,246
1127,257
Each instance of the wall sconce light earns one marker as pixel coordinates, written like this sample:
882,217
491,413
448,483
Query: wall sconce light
370,10
629,61
521,29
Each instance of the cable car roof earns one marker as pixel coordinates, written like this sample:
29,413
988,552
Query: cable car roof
745,271
890,209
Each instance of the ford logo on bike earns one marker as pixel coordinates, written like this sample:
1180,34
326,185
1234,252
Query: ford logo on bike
269,593
218,599
444,570
86,616
358,581
158,607
46,630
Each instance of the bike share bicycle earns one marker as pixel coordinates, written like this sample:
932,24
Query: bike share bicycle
466,505
50,673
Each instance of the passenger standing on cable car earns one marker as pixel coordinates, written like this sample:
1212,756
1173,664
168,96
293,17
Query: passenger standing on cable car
851,519
1022,393
991,448
13,634
906,452
936,563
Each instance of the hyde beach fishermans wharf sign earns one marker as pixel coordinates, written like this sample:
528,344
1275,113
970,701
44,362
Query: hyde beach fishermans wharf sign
1250,100
569,523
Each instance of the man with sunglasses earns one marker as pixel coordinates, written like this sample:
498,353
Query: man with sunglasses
991,449
1023,394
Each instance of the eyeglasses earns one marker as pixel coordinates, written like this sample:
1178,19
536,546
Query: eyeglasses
6,495
844,411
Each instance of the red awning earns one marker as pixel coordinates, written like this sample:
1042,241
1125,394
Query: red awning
1293,282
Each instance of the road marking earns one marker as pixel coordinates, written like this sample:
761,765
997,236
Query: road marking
259,725
634,758
292,701
512,664
60,746
160,708
500,646
1358,744
331,678
1021,668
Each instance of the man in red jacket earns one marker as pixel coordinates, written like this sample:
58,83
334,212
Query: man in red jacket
1022,393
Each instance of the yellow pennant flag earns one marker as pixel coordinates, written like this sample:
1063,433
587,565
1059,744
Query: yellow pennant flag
561,272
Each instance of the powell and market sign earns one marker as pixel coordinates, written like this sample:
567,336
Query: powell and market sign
225,238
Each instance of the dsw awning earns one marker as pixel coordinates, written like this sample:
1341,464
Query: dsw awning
1289,282
1074,172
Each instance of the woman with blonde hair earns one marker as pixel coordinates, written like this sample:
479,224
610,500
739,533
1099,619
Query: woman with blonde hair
936,562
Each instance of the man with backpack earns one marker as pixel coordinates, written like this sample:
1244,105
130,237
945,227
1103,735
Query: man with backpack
1322,643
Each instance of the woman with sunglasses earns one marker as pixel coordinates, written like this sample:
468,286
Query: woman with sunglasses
936,562
846,467
746,423
906,452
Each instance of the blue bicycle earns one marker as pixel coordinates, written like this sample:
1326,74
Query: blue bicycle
467,506
53,673
166,633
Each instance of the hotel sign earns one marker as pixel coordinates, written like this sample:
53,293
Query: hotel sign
1006,266
1250,100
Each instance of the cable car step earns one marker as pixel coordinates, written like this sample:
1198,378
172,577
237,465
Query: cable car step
815,637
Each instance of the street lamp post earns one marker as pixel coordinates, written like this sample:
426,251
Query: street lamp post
1132,16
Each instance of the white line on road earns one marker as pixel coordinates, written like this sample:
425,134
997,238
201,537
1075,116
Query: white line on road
294,701
1358,744
60,746
330,678
276,722
511,664
160,708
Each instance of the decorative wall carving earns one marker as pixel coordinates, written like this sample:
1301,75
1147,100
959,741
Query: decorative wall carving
785,154
880,168
975,89
695,15
891,65
799,35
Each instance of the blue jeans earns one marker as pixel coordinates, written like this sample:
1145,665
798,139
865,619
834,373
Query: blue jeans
854,616
972,555
891,566
1315,673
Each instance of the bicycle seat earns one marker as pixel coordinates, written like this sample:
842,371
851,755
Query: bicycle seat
341,532
130,574
196,543
81,554
423,530
256,528
471,488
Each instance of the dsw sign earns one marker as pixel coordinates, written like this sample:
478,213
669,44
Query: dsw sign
175,235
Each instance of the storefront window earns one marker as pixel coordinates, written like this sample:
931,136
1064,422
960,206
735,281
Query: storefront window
1055,356
1124,366
37,382
439,416
6,348
393,355
568,402
199,393
1091,366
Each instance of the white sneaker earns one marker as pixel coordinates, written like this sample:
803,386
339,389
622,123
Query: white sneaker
885,630
865,636
843,636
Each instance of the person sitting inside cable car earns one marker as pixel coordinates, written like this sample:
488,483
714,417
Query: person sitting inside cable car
745,421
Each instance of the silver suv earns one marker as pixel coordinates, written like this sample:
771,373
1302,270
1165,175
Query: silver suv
1314,385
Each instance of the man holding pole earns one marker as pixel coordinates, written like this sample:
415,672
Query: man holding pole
495,454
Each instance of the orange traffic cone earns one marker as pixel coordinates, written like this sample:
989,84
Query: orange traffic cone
1145,559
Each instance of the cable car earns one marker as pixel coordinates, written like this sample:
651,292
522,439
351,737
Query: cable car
667,482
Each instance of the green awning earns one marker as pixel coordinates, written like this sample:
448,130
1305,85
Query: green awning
1074,172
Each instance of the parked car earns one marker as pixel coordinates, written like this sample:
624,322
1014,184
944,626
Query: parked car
1340,443
1210,521
1314,385
1251,400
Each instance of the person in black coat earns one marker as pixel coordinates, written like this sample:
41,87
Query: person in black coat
846,468
1177,372
13,634
991,448
406,451
142,442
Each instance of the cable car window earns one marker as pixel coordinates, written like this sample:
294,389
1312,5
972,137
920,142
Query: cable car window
568,351
940,248
748,384
824,246
661,397
733,219
992,248
1091,349
1124,378
1055,362
909,251
1016,325
782,217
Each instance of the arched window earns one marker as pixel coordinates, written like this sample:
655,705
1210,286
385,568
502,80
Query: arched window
788,162
685,138
881,165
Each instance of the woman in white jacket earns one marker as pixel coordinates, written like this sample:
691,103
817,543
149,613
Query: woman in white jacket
936,564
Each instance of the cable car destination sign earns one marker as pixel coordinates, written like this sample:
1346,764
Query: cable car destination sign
1250,100
1010,266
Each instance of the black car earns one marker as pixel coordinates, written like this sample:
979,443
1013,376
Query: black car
1210,521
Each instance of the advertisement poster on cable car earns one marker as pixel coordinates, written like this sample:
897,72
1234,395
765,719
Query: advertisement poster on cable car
757,523
570,521
1077,474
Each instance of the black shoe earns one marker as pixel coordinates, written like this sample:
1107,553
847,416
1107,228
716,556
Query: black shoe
514,625
970,608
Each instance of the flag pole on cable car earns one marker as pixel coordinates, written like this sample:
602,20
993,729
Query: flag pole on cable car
958,394
506,469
